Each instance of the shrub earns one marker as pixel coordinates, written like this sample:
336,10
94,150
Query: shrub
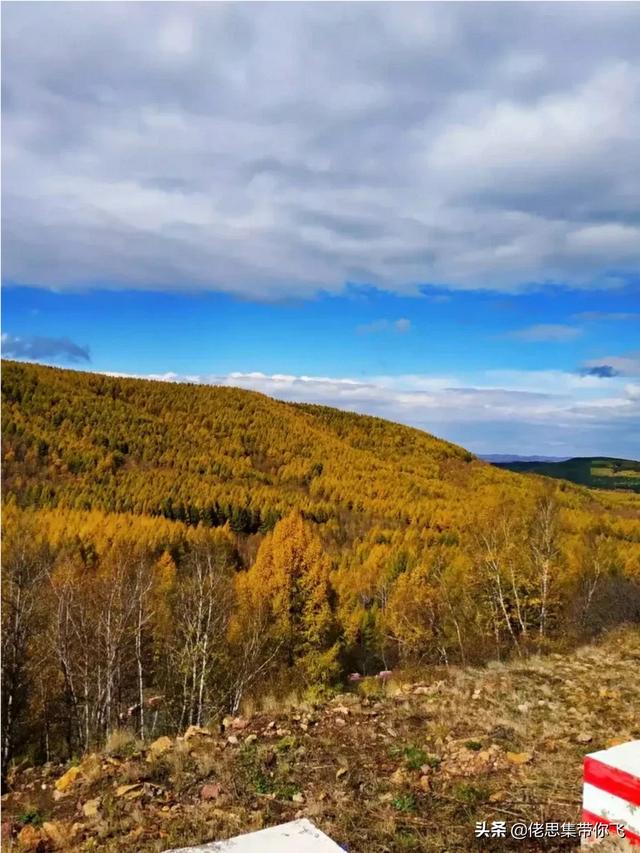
405,803
121,742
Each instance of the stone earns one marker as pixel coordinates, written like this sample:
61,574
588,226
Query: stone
130,792
400,777
298,797
67,779
57,833
210,791
91,767
584,737
196,731
30,838
519,757
90,808
461,761
232,740
158,747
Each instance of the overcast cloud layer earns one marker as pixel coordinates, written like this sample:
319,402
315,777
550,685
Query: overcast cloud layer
271,151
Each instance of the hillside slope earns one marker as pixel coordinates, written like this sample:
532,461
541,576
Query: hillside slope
201,546
596,472
189,452
407,767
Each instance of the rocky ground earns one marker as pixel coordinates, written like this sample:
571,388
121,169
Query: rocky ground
412,766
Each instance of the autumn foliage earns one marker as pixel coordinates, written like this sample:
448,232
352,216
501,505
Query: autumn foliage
171,549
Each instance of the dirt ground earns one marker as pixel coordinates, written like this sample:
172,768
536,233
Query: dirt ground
413,765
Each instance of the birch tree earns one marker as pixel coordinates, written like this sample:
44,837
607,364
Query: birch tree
24,570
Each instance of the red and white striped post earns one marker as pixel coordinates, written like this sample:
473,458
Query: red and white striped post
611,790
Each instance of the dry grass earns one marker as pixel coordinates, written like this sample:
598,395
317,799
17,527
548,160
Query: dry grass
410,769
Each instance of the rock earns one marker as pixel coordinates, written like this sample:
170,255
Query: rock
232,740
211,791
196,731
130,792
297,797
91,767
400,777
90,808
67,779
498,797
340,721
239,723
341,772
57,833
31,838
519,757
461,761
340,709
7,829
159,746
502,732
584,737
58,795
251,739
135,835
425,783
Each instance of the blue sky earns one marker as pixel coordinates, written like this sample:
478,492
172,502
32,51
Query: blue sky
427,212
495,372
363,333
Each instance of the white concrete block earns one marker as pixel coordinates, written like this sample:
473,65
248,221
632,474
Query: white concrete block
611,791
297,836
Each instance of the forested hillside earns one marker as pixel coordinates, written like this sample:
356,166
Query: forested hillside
171,550
195,453
597,472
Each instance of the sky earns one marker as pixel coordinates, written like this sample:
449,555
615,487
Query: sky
427,212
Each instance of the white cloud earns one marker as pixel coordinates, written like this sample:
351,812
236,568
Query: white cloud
546,332
271,150
402,325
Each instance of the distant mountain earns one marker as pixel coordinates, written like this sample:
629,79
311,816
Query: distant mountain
512,457
597,472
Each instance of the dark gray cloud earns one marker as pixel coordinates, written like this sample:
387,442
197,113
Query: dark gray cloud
39,348
627,364
274,149
603,371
